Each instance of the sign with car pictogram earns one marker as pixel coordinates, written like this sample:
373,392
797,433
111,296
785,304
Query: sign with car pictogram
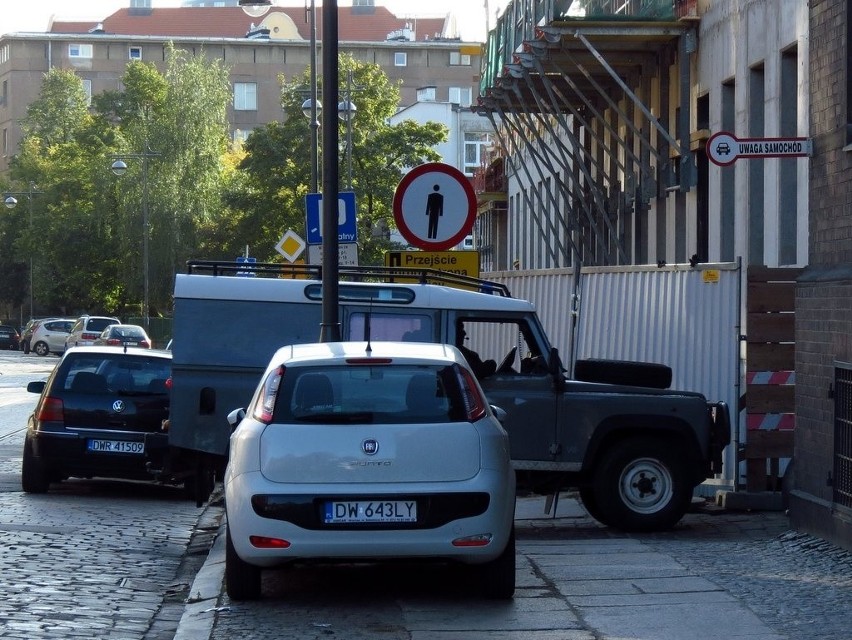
724,148
434,206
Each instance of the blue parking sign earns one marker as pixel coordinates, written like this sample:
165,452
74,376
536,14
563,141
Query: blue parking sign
346,227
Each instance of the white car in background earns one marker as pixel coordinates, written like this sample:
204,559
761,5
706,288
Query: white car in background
369,452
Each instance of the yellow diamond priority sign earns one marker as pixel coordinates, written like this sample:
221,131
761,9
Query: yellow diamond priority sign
290,246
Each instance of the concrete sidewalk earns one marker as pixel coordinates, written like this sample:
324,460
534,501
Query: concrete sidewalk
599,584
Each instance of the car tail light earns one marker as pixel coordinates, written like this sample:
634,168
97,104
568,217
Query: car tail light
474,403
262,542
90,336
479,540
266,403
144,344
113,342
169,383
51,410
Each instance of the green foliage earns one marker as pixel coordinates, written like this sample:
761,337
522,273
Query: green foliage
205,200
278,172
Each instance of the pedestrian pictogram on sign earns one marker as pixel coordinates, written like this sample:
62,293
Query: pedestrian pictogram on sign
434,206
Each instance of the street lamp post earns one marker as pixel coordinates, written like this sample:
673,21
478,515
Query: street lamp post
11,203
346,111
119,168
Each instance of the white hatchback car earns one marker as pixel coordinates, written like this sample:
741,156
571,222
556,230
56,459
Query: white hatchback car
358,451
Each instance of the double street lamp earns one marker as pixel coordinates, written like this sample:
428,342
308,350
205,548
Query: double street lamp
119,168
11,202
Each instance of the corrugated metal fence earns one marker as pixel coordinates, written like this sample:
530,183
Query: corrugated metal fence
683,317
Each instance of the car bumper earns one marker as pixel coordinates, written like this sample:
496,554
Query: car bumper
67,454
431,537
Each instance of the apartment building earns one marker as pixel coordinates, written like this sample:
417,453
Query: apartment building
417,53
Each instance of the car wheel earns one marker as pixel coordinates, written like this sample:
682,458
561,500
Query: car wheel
590,503
497,578
642,485
242,580
34,475
41,348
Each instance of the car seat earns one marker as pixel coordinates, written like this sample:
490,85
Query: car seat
313,393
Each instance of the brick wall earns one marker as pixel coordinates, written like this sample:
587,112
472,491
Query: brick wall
824,291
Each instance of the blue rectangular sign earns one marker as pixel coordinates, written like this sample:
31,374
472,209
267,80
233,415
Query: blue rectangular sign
346,227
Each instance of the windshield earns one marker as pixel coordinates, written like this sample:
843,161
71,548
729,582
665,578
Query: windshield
370,394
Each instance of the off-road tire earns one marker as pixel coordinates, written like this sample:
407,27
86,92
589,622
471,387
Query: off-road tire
642,484
242,580
35,478
590,504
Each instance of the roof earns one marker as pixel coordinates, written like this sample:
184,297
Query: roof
354,25
341,352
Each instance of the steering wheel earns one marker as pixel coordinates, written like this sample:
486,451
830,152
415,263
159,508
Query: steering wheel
506,363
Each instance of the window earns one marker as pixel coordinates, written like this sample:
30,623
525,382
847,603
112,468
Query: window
388,326
4,53
475,145
241,135
4,93
426,94
5,142
245,96
79,50
461,96
459,59
400,59
135,53
87,89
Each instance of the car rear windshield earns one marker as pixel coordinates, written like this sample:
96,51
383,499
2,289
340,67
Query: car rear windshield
383,394
7,331
99,324
113,373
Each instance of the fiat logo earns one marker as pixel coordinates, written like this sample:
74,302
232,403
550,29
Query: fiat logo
370,447
118,406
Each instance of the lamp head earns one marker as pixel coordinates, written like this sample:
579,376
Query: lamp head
306,107
255,8
346,110
119,167
10,202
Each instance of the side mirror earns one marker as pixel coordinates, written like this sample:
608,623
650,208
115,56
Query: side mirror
36,386
499,413
235,417
554,365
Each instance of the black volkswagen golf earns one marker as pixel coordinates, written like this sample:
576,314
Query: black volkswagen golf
100,414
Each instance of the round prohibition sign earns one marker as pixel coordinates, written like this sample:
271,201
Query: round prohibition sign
434,206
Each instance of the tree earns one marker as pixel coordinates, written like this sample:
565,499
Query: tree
271,197
87,233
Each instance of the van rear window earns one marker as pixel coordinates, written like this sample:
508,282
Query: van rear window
377,294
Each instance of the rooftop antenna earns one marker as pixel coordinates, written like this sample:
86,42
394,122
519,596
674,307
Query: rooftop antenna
369,349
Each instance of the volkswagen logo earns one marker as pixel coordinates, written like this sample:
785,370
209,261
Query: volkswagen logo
118,406
370,446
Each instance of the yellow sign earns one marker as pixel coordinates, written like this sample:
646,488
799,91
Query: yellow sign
464,263
710,276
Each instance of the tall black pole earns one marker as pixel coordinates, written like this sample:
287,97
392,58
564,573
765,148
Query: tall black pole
314,123
330,325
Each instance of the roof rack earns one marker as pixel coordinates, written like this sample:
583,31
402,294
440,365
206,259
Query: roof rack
346,273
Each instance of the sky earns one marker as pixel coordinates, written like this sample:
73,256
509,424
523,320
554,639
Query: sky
33,15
